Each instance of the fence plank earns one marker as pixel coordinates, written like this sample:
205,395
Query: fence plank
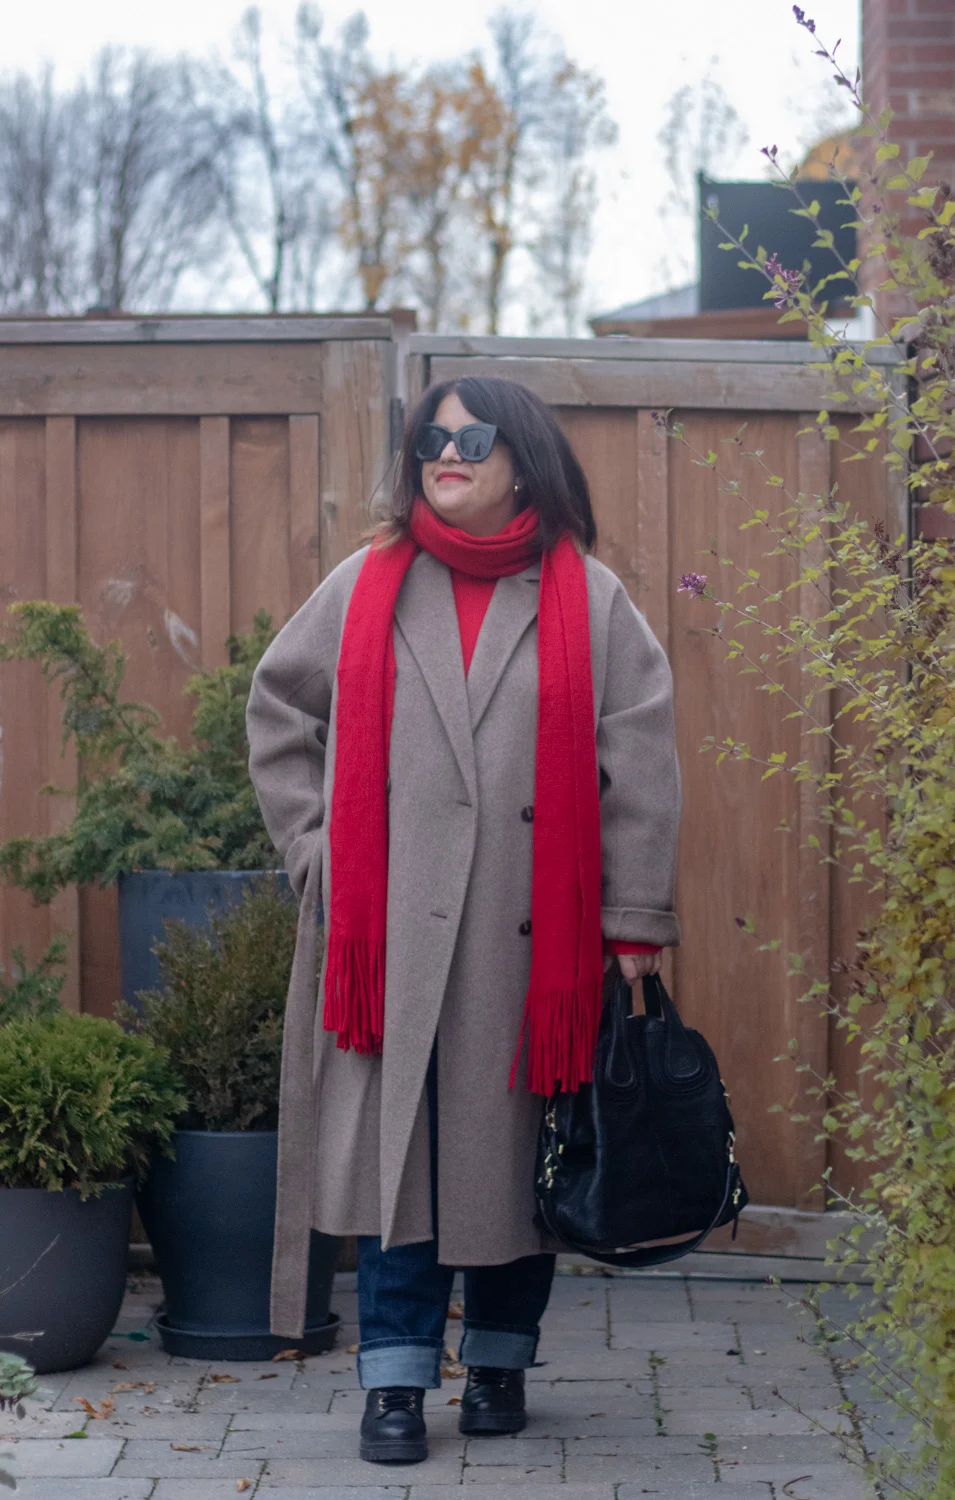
24,700
710,385
305,559
814,893
652,513
163,380
355,466
214,527
61,761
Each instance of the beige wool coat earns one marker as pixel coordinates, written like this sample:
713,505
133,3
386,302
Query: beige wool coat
353,1133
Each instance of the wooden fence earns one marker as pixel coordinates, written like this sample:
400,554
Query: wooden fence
174,476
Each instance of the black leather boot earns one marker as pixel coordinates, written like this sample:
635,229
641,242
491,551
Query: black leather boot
493,1401
392,1429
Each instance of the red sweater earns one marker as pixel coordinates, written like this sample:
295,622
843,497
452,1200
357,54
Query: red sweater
471,598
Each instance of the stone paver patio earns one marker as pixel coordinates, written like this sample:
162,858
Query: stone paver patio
646,1386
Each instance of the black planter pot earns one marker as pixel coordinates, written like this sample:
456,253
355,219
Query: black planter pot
149,898
62,1272
210,1217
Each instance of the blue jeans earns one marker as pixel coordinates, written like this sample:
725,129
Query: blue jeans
403,1296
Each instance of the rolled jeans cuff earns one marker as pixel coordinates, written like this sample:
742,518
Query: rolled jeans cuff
499,1348
414,1362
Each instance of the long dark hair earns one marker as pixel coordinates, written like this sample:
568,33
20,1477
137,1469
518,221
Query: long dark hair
552,478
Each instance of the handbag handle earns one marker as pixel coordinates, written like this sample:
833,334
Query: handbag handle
651,1255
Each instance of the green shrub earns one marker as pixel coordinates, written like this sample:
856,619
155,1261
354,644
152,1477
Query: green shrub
82,1104
32,992
221,1009
143,802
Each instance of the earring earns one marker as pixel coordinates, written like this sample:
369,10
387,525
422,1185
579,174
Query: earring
517,485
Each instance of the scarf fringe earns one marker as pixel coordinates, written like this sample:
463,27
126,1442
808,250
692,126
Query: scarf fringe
563,1026
355,992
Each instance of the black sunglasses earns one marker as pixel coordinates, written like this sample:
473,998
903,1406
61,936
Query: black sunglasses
473,442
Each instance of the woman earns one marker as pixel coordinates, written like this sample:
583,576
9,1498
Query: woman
463,742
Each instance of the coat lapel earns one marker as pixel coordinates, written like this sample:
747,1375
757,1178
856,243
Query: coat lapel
426,616
512,609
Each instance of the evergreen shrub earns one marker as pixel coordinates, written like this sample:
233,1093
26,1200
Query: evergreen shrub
82,1104
220,1011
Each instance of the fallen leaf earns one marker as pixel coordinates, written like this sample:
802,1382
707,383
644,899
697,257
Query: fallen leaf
119,1364
189,1447
225,1379
100,1413
453,1371
289,1354
454,1401
272,1375
242,1485
75,1435
456,1310
352,1349
146,1386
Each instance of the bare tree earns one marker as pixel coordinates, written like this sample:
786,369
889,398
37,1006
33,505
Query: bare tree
40,198
266,187
146,181
514,103
362,121
702,132
574,126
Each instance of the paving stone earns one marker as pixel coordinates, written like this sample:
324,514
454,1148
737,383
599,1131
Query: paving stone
656,1450
616,1468
38,1423
89,1489
781,1449
600,1364
513,1474
160,1460
248,1398
628,1467
200,1489
729,1424
171,1425
691,1337
703,1491
299,1492
713,1398
520,1449
820,1482
78,1459
354,1471
293,1421
421,1491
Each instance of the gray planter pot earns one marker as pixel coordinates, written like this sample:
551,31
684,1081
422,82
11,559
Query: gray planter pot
62,1272
149,898
210,1217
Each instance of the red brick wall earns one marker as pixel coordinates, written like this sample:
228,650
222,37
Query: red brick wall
908,62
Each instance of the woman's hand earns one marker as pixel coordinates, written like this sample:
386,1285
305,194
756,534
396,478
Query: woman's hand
633,966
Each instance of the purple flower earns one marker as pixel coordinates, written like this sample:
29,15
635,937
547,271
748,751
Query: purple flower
801,19
692,583
774,268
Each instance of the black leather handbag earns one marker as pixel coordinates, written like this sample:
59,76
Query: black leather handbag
644,1153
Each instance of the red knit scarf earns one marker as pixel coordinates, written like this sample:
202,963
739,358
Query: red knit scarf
564,996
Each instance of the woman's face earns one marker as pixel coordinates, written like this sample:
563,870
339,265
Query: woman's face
479,498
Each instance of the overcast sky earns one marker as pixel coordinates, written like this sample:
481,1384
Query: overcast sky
644,49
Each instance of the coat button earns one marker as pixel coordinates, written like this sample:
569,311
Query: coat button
527,813
525,927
